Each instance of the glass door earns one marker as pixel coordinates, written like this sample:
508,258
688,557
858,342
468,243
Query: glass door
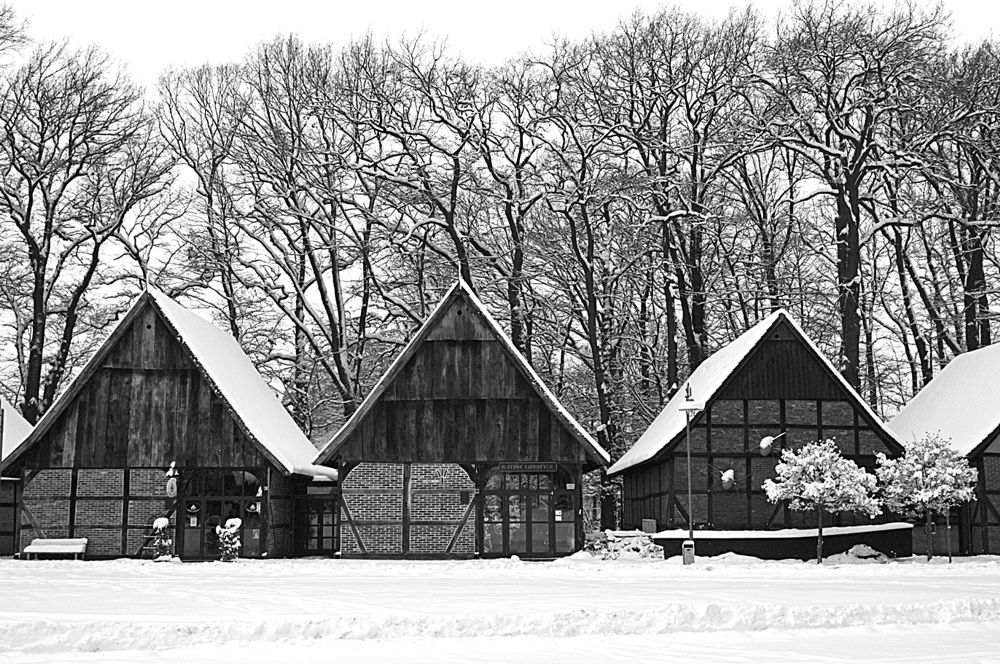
531,514
317,527
210,498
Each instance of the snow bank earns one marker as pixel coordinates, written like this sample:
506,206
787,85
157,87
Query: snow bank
127,605
44,635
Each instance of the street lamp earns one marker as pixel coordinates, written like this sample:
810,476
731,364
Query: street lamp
690,408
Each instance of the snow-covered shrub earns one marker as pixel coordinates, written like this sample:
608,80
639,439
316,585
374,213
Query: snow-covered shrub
229,540
930,478
612,545
163,544
818,477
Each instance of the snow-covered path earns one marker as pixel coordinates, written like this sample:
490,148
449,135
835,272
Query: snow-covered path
479,611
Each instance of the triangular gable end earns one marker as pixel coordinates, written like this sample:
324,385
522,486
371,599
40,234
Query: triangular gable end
727,374
460,315
144,301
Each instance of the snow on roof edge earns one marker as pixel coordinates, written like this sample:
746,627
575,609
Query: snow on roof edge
705,381
241,385
672,421
15,428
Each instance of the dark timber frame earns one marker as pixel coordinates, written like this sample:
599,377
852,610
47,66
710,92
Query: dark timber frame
459,396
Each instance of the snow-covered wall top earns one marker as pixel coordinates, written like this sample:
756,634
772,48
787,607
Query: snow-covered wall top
15,428
960,404
251,398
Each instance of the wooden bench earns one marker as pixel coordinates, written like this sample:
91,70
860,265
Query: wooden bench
75,546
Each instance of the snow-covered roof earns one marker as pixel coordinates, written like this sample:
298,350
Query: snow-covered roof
460,287
709,378
252,400
960,403
15,428
255,406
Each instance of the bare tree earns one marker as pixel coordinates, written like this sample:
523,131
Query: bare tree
77,158
838,74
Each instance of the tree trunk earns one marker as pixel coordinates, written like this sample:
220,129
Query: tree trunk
848,288
927,531
947,531
819,536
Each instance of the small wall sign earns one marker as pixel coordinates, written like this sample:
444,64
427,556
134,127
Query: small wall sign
527,467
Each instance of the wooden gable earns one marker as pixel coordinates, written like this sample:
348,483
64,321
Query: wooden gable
458,395
784,384
783,366
141,401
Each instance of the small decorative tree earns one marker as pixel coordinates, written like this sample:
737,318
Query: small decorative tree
930,478
229,540
163,544
818,477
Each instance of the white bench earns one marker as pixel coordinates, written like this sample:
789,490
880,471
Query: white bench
74,546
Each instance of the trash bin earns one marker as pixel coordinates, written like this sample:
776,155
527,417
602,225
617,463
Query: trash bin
687,551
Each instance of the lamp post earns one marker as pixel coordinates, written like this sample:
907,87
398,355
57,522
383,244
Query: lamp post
690,408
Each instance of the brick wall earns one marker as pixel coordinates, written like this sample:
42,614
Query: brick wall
46,498
374,505
99,482
837,413
763,412
102,541
147,482
800,412
373,493
440,476
382,538
375,496
728,440
50,483
98,512
372,476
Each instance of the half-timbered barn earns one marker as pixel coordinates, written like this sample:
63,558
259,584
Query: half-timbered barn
960,405
770,389
13,429
166,389
461,450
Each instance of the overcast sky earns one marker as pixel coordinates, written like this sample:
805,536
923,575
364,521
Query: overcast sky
150,35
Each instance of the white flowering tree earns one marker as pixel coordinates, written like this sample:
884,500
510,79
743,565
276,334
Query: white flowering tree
818,477
930,478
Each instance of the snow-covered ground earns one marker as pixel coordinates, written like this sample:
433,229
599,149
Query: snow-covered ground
727,609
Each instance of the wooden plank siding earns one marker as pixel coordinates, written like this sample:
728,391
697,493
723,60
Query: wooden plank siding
146,404
460,399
